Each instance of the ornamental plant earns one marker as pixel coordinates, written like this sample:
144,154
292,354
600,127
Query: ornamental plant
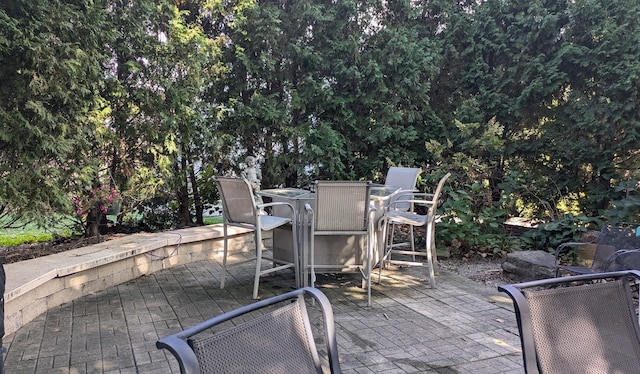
100,197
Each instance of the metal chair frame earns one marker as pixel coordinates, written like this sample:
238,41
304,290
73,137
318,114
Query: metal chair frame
428,220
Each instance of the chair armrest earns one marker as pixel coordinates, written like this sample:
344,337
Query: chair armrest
265,205
399,193
183,353
417,198
277,203
622,253
308,212
563,247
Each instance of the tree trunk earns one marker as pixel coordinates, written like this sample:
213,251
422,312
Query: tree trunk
197,199
183,195
93,223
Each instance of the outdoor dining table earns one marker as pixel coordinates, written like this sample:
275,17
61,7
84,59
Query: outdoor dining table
339,250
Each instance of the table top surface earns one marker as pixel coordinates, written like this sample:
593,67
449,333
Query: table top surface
377,192
287,192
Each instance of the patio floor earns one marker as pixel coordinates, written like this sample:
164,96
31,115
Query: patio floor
460,327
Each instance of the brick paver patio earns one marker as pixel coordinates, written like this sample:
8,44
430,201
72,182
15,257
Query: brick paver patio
460,327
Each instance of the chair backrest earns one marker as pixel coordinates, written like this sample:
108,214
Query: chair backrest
406,179
238,204
341,206
436,194
578,324
613,238
279,341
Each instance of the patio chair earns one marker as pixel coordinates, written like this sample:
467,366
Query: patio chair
617,247
406,179
240,209
578,324
413,219
342,208
279,341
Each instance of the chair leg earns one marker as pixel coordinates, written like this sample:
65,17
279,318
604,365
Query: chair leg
431,227
386,248
224,257
390,246
256,281
312,255
296,254
430,257
368,266
412,241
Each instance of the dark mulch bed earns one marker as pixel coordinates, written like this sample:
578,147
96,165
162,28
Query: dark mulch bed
34,250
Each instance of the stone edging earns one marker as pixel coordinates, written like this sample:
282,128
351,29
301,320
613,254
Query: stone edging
35,285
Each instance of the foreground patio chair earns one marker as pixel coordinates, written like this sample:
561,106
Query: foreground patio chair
413,219
617,248
578,324
239,209
279,341
342,208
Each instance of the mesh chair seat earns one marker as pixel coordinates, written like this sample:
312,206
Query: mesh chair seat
407,218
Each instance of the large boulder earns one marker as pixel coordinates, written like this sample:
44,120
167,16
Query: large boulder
530,265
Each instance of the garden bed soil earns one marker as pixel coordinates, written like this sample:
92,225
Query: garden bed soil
33,250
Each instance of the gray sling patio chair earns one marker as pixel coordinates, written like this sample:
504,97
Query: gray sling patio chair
617,247
239,209
342,208
428,220
578,324
279,340
406,179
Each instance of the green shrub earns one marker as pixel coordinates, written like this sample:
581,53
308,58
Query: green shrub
548,236
470,225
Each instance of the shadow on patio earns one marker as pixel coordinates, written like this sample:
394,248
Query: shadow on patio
460,327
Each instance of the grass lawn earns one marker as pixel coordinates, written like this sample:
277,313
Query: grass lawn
34,234
212,220
29,234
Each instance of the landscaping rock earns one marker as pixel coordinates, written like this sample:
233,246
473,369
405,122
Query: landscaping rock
530,265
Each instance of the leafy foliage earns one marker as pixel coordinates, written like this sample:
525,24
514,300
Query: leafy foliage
51,81
533,105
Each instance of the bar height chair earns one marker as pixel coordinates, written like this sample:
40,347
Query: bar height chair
239,209
413,219
406,179
342,208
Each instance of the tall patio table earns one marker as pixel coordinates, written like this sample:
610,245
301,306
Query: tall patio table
338,250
